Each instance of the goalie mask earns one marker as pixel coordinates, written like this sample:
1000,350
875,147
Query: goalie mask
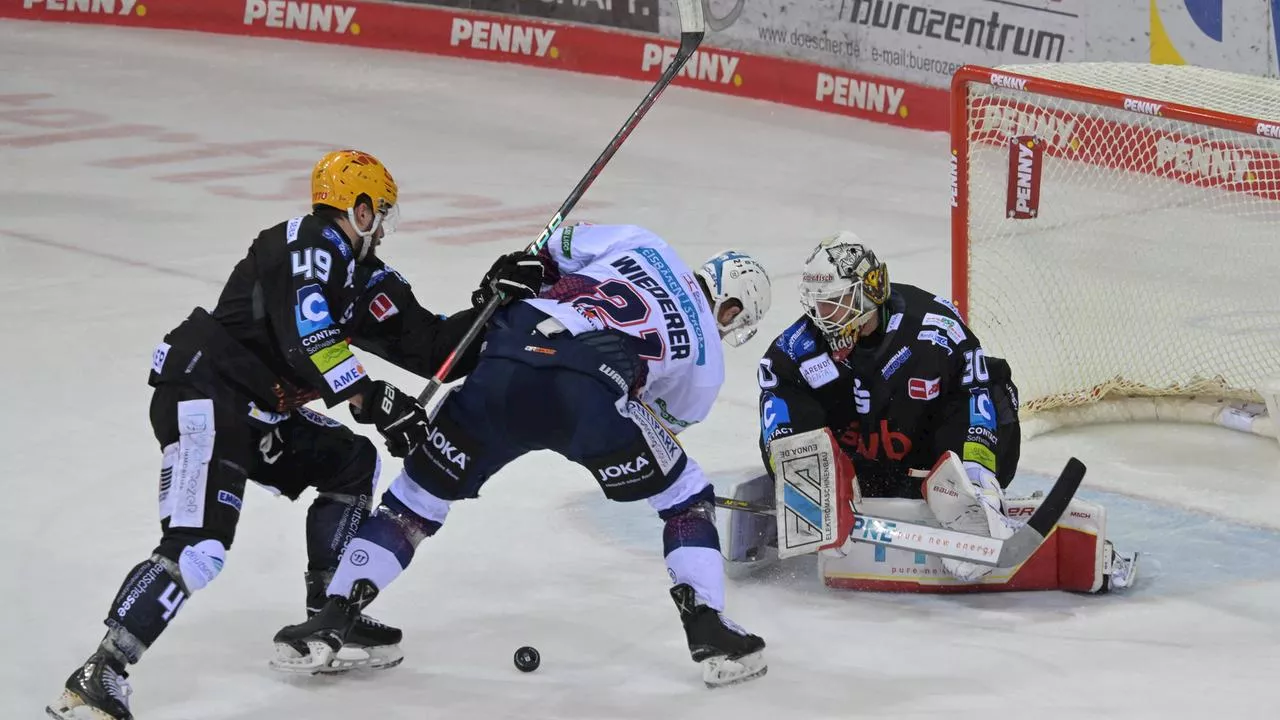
345,178
842,286
734,278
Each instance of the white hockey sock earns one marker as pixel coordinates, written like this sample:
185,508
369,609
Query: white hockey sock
364,560
703,569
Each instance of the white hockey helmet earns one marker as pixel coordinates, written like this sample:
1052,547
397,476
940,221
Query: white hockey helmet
841,287
734,277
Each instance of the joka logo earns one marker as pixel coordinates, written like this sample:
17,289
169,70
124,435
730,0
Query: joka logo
624,470
509,38
447,448
308,16
96,7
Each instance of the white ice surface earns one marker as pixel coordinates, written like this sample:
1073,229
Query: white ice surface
100,256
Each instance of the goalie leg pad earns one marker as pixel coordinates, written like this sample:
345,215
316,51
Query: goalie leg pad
815,488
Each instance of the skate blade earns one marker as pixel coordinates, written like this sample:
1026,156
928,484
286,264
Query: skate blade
289,660
363,659
720,672
71,707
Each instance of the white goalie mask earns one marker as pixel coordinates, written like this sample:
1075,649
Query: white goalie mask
841,287
734,277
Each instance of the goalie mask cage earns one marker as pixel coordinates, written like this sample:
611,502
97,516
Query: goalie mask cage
1115,230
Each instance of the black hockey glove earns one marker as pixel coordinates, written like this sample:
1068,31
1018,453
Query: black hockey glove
518,275
398,417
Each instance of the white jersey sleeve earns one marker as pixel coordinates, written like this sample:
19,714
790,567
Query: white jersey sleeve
626,278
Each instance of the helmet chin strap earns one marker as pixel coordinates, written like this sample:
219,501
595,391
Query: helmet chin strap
366,236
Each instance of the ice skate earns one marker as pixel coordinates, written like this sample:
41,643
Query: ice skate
728,654
326,641
97,690
370,644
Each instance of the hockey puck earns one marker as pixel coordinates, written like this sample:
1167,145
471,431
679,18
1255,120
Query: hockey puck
527,659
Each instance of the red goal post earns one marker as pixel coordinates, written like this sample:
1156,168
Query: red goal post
1115,235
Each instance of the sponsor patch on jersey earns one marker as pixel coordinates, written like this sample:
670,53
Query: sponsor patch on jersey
924,388
819,371
661,406
566,241
935,337
158,356
773,413
381,307
318,418
338,241
312,311
227,498
950,325
981,412
861,398
539,349
797,340
344,375
331,357
291,230
664,446
946,303
897,361
266,416
894,321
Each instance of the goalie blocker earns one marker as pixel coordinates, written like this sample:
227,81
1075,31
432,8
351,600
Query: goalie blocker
863,549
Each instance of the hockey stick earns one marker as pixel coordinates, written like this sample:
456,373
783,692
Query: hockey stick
1007,553
692,29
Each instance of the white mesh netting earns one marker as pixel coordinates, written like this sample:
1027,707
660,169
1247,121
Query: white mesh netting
1148,268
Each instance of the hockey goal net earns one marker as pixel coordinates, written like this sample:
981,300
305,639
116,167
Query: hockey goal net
1115,231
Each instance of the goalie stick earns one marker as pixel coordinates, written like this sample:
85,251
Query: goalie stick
692,30
1007,553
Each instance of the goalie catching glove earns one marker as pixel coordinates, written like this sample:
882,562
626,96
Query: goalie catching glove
516,276
398,417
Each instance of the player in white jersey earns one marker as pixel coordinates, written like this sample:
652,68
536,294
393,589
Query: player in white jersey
617,354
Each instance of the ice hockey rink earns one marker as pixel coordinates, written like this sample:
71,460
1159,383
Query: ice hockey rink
137,166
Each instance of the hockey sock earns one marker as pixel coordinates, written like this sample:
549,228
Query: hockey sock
383,548
691,545
332,521
148,599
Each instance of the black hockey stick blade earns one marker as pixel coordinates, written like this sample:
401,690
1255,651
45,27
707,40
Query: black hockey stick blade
1027,539
692,30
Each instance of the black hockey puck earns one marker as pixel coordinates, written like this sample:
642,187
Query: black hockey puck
527,659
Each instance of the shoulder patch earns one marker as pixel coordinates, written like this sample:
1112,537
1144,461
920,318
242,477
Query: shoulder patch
798,340
291,230
332,236
894,321
946,303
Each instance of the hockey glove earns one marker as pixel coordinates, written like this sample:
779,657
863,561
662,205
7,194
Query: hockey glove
398,417
517,276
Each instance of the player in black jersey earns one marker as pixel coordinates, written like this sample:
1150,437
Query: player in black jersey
227,407
895,376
